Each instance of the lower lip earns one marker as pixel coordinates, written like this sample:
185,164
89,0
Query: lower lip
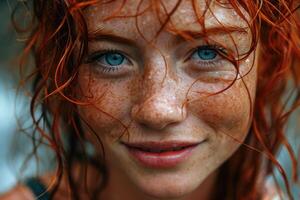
161,160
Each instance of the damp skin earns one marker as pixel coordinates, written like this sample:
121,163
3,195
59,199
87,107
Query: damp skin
161,93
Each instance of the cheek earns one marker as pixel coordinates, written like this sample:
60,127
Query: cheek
227,116
109,104
227,112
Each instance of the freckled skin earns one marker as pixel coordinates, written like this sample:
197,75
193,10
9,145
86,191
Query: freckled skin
151,101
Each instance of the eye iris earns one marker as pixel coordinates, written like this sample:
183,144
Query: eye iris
207,54
114,59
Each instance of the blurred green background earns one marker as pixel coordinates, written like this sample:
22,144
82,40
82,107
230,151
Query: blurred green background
9,49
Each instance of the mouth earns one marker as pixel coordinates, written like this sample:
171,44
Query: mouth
161,154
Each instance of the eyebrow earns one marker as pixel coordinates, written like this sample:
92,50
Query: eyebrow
106,35
190,34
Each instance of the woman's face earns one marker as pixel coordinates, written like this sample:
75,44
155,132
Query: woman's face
164,130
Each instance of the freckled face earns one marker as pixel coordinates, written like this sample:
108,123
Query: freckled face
162,91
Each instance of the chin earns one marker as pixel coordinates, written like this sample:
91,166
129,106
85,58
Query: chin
168,187
166,192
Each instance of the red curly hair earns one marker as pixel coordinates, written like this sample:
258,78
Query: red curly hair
59,39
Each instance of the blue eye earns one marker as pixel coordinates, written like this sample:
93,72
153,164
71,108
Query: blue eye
113,59
110,61
205,53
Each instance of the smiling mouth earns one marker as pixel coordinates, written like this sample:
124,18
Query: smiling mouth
161,154
156,147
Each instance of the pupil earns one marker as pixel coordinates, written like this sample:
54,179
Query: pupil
207,54
114,59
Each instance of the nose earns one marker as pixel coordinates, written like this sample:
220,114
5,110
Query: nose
159,105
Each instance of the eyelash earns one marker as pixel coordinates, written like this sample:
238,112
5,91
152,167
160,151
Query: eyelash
210,63
94,57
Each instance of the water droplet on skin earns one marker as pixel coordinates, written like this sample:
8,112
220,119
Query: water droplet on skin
183,11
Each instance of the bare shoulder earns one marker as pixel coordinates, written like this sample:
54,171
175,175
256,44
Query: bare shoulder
18,192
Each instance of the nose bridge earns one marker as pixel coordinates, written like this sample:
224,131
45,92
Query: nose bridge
158,76
160,94
160,103
156,83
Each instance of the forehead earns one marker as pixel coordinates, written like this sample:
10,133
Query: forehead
148,16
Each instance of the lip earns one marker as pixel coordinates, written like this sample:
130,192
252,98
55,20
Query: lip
166,155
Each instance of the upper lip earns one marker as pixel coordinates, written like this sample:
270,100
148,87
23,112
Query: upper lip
161,145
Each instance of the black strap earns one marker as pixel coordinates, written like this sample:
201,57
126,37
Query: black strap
37,188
